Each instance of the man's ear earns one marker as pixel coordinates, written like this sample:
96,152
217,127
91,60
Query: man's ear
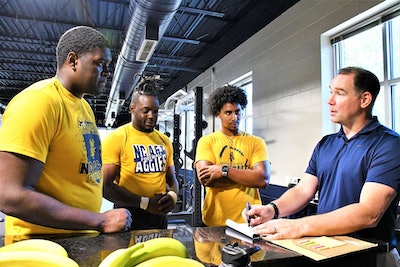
72,59
366,99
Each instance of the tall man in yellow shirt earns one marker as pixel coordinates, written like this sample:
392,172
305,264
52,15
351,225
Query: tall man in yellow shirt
50,157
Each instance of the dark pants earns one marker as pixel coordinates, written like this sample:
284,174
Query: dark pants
143,220
388,259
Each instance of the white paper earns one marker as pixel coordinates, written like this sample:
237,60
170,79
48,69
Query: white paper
242,228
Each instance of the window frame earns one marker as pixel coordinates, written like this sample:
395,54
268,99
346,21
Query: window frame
246,82
330,52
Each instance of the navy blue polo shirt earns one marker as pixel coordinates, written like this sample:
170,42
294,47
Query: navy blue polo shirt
343,165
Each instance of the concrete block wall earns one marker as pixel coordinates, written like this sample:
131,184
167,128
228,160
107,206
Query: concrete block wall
285,61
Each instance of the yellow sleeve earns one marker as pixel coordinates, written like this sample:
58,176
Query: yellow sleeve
33,137
111,148
204,151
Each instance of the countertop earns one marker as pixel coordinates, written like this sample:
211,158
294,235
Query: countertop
203,244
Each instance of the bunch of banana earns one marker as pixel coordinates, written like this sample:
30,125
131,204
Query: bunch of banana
42,245
120,257
148,250
163,246
170,261
35,252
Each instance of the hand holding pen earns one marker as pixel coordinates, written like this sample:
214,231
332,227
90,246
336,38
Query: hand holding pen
248,207
255,214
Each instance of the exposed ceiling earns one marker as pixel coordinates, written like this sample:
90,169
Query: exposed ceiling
198,34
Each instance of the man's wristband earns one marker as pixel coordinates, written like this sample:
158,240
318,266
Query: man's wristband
276,215
173,195
144,203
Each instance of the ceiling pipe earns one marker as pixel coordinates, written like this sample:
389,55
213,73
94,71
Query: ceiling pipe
154,14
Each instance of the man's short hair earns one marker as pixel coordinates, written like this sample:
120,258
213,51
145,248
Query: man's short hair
364,81
80,39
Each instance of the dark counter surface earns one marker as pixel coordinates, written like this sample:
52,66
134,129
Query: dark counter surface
203,244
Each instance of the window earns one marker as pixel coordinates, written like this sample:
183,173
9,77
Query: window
396,107
375,46
246,82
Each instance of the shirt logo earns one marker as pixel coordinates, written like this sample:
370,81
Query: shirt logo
152,159
93,165
91,145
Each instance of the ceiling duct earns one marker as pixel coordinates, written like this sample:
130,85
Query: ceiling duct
148,44
148,18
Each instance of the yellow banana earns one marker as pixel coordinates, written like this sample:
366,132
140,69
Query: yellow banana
34,259
170,261
36,245
163,246
119,257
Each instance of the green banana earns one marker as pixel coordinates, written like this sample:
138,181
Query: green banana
119,257
162,246
36,245
170,261
34,259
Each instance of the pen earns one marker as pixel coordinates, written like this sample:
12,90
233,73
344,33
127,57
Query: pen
248,207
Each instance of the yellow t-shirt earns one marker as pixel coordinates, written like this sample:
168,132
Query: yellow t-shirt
242,152
48,123
144,159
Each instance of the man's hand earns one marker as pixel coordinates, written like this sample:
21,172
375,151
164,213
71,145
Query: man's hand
161,204
116,220
154,206
166,203
258,214
211,175
281,229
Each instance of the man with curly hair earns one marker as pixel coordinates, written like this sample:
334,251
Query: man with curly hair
231,164
50,157
139,172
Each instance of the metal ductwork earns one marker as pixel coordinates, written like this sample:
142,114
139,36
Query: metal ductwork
149,20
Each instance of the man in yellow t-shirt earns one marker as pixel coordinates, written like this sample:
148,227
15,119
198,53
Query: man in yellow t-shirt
139,171
231,164
50,157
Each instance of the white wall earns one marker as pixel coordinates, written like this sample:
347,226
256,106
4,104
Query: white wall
285,58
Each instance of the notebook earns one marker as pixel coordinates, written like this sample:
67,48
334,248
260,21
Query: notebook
241,228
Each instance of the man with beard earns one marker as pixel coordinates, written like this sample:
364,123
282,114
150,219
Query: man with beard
139,171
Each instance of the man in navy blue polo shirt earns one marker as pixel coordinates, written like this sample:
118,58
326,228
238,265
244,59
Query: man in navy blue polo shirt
356,172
